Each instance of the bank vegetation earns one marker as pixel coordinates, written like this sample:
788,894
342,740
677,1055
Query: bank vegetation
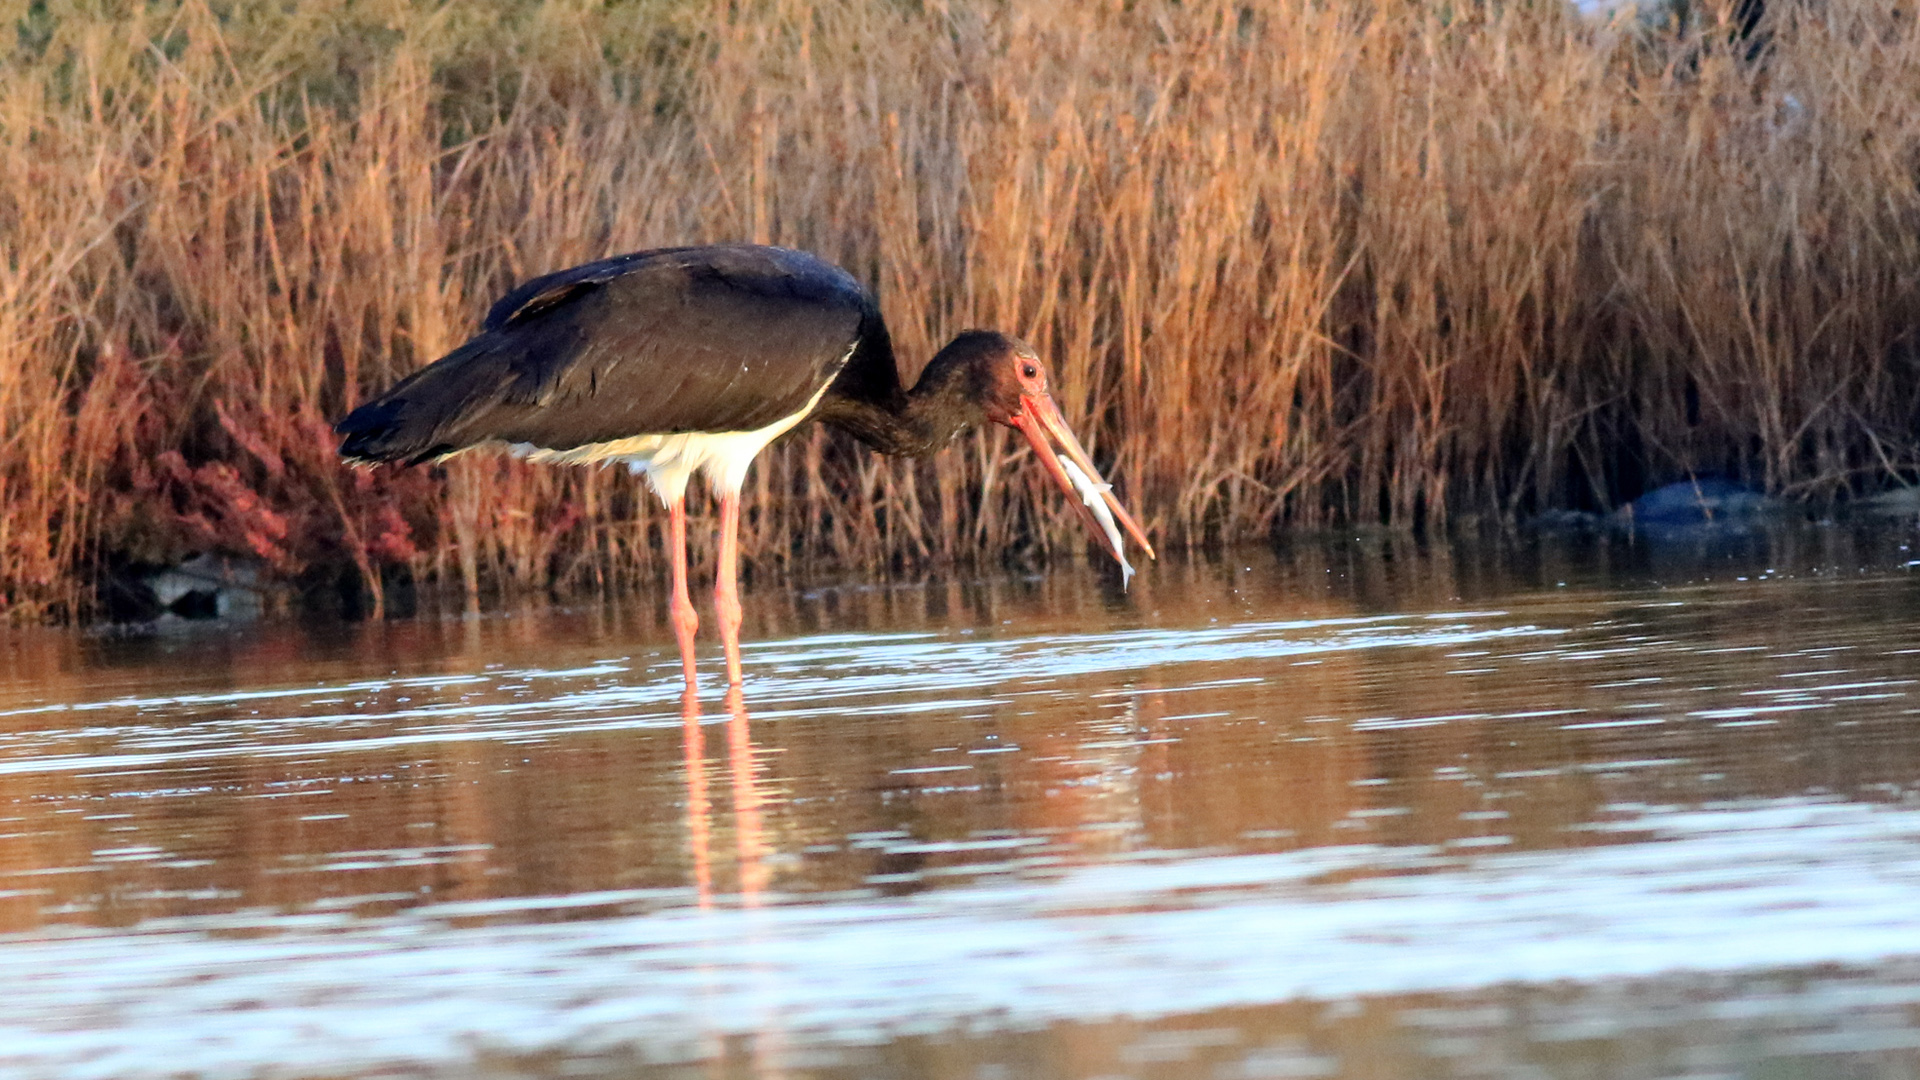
1296,263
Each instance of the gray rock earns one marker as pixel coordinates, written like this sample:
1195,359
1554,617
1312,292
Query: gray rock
212,585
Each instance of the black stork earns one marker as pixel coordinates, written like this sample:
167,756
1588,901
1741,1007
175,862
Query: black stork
695,358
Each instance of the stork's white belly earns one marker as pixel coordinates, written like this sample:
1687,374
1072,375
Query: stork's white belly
669,461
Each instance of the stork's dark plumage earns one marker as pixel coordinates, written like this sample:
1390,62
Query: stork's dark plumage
686,359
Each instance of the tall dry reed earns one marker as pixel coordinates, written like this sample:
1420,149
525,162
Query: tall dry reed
1295,263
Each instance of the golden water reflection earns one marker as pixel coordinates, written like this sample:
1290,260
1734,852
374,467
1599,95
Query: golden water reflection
371,768
1375,695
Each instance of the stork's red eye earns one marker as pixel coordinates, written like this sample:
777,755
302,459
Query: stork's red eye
1028,371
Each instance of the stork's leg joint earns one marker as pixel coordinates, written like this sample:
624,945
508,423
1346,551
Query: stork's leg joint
686,618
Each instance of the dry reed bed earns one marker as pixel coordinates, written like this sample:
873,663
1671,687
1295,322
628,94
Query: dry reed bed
1313,261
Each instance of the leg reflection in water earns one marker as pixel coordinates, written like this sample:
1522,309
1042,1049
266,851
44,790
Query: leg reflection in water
750,841
769,1045
693,744
750,837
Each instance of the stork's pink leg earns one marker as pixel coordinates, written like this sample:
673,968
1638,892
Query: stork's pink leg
726,586
686,621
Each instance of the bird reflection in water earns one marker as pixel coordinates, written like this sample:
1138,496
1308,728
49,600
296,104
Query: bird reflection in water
768,1048
750,843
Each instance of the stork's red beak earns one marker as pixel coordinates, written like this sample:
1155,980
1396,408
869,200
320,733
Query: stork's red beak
1039,420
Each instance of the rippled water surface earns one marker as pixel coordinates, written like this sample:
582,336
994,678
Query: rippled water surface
1360,808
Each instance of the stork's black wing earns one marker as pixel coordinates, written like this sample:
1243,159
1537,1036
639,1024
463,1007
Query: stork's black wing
679,339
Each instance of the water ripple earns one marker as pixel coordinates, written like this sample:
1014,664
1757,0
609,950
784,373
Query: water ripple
1786,883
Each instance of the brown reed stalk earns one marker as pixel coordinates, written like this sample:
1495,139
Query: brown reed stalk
1295,263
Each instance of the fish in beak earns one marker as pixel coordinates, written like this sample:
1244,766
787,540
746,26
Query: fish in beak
1092,497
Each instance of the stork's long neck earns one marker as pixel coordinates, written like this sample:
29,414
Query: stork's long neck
906,423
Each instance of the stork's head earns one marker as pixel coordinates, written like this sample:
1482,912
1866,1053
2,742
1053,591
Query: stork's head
1009,381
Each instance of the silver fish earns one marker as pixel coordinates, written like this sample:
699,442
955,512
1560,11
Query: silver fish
1090,493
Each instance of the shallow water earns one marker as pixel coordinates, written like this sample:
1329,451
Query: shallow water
1356,808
